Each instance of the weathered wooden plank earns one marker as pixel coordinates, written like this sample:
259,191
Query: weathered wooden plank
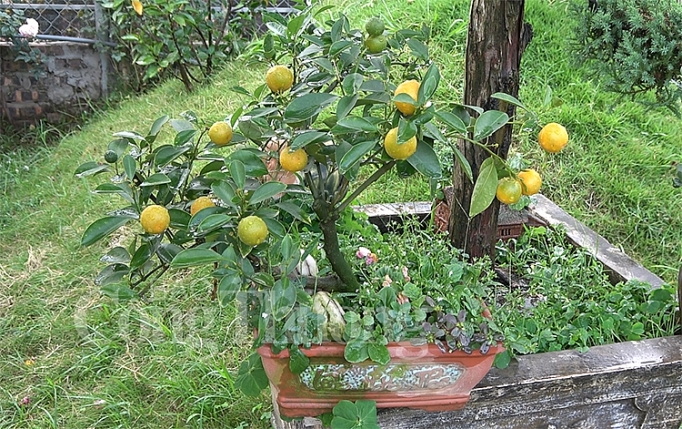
620,266
628,385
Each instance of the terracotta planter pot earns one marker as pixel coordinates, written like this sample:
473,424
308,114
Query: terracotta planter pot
417,377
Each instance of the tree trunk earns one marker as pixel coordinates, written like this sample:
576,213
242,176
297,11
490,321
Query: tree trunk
496,39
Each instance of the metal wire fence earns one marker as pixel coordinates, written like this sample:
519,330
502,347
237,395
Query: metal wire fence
70,18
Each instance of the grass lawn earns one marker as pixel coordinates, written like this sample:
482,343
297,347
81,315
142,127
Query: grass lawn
84,361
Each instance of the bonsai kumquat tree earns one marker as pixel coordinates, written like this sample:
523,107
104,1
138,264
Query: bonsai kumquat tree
252,196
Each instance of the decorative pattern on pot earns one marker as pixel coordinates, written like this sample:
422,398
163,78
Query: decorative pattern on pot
377,378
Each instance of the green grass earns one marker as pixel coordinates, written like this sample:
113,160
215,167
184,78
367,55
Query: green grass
169,361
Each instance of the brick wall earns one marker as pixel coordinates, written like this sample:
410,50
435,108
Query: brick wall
71,76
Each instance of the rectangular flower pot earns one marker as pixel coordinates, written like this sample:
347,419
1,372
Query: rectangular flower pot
417,377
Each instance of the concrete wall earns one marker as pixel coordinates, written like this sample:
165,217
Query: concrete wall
71,76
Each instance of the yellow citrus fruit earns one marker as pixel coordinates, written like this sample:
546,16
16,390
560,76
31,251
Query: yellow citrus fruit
137,6
376,44
220,133
200,204
375,27
155,219
279,78
252,230
508,190
411,88
293,161
553,137
530,181
399,151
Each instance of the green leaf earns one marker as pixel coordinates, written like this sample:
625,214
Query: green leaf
461,112
367,410
488,123
295,25
90,169
117,255
429,84
213,222
194,257
238,173
294,210
184,136
276,228
337,47
181,125
120,293
253,163
277,28
168,154
463,163
379,353
168,251
406,130
352,83
287,248
298,361
345,415
101,228
155,180
283,298
509,99
215,165
453,121
130,166
484,188
121,189
355,154
425,161
253,129
158,124
266,190
129,135
361,415
345,105
353,124
307,106
251,378
119,146
419,49
241,90
179,218
224,191
111,274
356,351
661,295
141,256
405,98
308,137
337,29
229,287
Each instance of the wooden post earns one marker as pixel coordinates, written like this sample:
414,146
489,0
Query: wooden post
496,39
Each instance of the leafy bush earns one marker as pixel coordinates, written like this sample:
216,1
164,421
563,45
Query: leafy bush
185,39
633,46
10,22
568,301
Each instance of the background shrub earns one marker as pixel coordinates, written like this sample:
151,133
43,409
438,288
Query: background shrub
633,46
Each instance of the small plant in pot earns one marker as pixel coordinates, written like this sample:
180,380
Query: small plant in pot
263,199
